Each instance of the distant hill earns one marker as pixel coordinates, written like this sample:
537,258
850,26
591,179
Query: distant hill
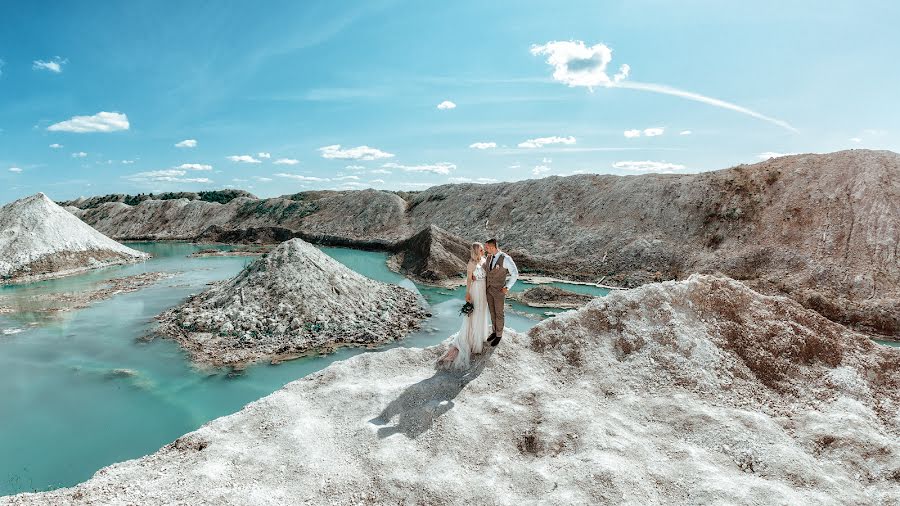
823,229
40,240
220,196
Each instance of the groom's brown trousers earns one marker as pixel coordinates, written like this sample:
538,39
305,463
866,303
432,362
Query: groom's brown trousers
495,302
494,283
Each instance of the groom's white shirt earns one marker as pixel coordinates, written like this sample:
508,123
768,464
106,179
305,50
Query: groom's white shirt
510,266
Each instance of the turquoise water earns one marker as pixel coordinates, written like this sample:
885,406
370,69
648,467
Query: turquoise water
79,390
894,344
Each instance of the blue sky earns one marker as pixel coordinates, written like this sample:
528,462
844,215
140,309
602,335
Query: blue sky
540,86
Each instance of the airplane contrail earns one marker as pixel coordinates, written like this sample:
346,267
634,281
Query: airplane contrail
668,90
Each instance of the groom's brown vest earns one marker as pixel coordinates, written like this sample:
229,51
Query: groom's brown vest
496,277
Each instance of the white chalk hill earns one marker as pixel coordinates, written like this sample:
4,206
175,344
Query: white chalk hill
40,240
293,300
693,392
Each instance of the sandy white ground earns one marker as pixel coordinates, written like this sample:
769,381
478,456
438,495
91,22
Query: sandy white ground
693,392
39,239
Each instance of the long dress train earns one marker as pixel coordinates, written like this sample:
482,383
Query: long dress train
476,327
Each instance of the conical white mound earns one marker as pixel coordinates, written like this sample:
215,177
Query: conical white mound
293,300
39,240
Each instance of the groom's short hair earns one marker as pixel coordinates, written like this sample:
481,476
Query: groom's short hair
492,242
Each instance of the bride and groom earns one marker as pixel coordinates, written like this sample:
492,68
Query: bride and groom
489,276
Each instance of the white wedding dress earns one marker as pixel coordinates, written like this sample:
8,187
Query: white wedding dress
476,327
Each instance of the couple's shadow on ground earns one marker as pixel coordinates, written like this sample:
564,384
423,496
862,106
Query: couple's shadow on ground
422,403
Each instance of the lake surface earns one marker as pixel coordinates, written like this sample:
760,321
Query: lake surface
79,390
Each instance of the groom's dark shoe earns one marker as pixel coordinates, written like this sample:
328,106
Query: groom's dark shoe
494,340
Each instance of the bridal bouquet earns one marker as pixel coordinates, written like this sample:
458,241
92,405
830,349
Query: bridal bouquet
467,309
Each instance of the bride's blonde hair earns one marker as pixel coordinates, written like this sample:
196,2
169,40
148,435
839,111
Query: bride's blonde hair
474,255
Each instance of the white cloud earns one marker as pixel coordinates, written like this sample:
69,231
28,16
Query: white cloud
79,154
543,141
100,122
772,154
436,168
166,176
286,161
264,155
540,169
446,104
685,132
298,177
647,132
347,178
377,181
15,169
194,166
127,162
56,146
243,159
358,153
648,166
576,64
187,143
483,145
263,179
54,65
379,171
855,139
546,160
355,167
515,166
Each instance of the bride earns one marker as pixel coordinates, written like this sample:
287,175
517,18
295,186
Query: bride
476,326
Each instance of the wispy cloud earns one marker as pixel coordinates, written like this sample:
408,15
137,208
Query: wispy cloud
187,143
79,154
631,134
355,167
436,168
56,146
685,132
446,104
242,159
483,145
648,166
358,153
286,161
300,177
166,176
543,141
15,169
347,178
540,169
264,155
53,65
100,122
194,166
578,65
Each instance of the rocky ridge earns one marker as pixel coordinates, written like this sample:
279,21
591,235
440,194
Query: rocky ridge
293,300
432,256
41,240
822,229
694,392
550,296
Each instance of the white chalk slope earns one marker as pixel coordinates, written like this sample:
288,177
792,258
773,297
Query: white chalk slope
292,300
692,392
40,239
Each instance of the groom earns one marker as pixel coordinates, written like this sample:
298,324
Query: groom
502,274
